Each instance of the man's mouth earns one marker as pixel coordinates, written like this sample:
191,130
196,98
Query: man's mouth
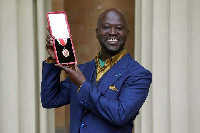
112,40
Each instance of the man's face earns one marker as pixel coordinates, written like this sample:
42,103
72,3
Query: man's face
112,31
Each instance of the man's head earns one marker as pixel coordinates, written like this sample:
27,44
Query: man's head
112,31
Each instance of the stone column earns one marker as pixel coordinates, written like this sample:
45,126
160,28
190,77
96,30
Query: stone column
22,49
179,66
9,87
167,43
143,54
47,119
194,61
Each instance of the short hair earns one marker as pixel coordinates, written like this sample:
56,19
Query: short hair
113,10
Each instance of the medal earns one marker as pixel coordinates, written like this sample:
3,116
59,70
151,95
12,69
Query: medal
63,42
65,52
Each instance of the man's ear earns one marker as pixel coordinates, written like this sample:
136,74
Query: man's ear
96,32
127,33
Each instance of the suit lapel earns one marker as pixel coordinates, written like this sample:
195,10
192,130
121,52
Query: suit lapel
115,73
89,70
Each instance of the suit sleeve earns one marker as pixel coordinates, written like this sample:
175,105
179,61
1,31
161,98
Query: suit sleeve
123,109
53,92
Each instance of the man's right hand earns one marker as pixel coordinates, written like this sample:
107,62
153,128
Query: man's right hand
49,45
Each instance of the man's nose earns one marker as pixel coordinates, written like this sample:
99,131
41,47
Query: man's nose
113,31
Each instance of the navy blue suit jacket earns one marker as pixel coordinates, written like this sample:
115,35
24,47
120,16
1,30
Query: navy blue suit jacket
97,108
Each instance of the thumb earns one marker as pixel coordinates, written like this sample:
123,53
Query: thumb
65,68
77,68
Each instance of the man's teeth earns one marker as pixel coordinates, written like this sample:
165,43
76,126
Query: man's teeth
112,40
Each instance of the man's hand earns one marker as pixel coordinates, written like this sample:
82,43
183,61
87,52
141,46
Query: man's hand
73,73
49,45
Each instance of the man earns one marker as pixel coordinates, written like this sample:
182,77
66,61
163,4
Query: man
106,93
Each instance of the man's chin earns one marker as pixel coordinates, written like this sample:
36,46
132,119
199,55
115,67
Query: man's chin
113,51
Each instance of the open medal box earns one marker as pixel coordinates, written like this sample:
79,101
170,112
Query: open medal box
60,32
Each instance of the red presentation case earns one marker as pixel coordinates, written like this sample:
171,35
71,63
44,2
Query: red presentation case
60,32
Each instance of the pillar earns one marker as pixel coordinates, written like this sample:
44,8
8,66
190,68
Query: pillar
22,49
167,43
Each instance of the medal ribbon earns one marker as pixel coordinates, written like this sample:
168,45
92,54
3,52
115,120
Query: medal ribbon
62,41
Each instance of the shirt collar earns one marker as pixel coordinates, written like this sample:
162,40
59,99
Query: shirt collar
110,61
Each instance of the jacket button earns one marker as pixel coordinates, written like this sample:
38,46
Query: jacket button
83,125
81,101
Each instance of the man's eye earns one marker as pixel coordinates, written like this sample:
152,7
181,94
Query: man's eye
105,27
119,28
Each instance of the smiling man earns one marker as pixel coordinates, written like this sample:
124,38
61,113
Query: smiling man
112,31
105,94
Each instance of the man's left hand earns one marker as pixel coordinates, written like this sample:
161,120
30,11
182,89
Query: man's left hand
73,73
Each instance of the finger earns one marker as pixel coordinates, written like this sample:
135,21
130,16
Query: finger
65,68
71,67
49,40
77,68
60,66
49,49
47,27
48,36
49,45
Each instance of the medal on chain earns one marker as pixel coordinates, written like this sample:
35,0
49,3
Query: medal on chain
63,42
